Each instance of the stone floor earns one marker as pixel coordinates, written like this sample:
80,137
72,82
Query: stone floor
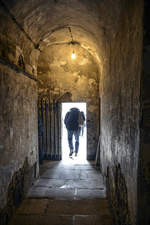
67,193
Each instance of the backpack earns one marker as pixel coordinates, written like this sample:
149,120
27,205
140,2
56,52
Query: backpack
81,119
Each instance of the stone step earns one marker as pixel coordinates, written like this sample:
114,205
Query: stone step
62,212
65,193
61,220
76,207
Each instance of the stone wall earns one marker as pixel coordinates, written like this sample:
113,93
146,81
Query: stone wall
120,107
16,46
144,156
18,138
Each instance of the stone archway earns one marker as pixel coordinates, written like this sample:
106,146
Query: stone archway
60,74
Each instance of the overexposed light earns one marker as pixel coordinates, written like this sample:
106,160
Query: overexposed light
73,55
82,139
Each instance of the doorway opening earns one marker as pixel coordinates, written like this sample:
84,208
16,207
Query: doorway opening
82,154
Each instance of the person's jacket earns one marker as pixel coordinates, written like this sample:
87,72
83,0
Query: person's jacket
71,119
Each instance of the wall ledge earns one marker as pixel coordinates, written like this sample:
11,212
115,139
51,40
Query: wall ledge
18,70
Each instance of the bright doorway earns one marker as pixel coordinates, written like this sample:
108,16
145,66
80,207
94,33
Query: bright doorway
82,154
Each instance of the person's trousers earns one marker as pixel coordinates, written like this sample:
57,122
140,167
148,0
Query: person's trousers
76,134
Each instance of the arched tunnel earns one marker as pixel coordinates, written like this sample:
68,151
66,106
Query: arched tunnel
97,52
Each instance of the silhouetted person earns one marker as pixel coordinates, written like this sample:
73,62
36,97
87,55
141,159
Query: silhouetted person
73,127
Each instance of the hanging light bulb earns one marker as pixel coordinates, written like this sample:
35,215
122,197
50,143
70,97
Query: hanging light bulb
73,56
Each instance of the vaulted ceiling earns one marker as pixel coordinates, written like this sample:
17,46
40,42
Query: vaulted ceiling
86,23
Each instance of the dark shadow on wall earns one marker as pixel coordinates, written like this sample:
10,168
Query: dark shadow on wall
20,183
144,186
118,196
144,155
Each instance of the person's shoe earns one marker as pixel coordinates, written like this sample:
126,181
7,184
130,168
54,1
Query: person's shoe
75,154
71,152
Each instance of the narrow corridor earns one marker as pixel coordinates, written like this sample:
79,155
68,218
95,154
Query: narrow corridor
67,193
54,52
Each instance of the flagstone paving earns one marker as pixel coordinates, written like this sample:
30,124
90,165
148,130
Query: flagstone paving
65,194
